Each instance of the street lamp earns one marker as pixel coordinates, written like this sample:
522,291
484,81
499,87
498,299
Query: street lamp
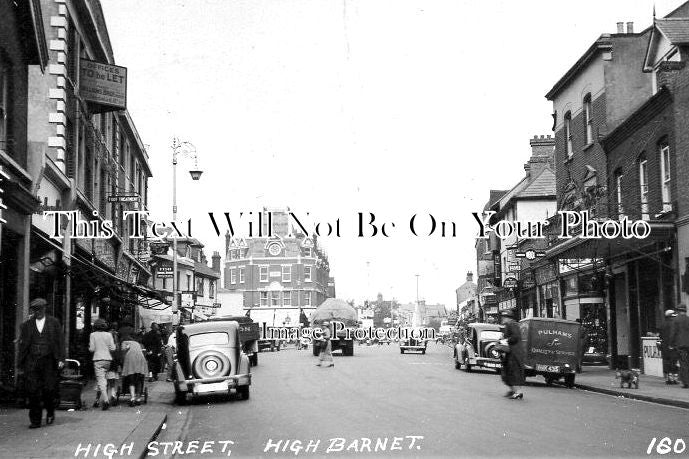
189,150
416,310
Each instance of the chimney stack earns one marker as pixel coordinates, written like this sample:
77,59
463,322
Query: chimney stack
542,155
470,276
630,27
620,27
216,261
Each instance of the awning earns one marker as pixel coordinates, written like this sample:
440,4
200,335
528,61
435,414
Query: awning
580,248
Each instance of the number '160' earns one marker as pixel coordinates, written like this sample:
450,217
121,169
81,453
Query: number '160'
665,446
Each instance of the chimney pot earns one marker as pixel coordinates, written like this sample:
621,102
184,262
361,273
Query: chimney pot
620,27
630,27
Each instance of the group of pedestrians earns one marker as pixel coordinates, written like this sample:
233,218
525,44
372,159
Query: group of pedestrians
675,346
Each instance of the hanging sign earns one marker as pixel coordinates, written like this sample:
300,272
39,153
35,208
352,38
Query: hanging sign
103,84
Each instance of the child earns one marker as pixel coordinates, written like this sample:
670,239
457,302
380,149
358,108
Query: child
134,367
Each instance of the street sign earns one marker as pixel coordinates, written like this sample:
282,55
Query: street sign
165,269
164,275
124,198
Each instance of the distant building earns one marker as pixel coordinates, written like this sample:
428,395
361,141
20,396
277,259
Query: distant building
467,290
278,275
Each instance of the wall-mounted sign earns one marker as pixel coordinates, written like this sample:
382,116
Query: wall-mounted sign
104,252
124,198
510,282
104,85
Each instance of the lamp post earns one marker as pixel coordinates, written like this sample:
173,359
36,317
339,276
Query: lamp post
416,310
184,149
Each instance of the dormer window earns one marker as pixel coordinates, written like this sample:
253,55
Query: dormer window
307,251
568,134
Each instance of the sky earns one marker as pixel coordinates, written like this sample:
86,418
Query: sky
331,108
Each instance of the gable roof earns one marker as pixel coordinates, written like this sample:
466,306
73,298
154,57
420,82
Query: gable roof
675,29
541,186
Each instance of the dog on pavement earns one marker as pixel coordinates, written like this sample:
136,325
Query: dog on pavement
628,377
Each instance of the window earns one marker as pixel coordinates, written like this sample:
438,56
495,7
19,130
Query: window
188,282
286,274
264,298
164,283
199,287
588,120
275,298
263,273
233,276
643,187
307,273
618,184
307,298
241,275
307,251
665,176
211,289
4,106
287,298
568,134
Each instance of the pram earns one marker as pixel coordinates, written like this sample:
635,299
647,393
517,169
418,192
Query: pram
70,386
123,391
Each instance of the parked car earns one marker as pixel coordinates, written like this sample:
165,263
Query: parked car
210,360
477,347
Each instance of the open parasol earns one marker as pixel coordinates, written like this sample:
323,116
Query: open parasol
334,309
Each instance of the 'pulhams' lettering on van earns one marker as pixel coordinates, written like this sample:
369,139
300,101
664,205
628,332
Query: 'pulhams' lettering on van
555,332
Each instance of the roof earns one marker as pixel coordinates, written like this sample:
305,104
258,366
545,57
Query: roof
676,30
180,260
602,43
542,186
203,269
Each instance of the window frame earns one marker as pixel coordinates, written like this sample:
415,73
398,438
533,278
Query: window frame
643,187
241,275
287,298
569,150
618,193
665,175
233,276
588,119
263,269
286,271
263,299
275,298
309,277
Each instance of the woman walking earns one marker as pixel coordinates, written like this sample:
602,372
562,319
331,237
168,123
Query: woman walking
134,367
101,344
513,362
325,358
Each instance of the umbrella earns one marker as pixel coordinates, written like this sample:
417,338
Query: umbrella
334,309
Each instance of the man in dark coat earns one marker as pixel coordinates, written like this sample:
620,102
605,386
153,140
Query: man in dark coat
513,363
680,341
41,356
668,352
153,342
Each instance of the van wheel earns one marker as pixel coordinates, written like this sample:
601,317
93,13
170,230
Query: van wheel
401,351
549,380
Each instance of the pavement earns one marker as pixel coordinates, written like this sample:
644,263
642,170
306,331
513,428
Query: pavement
122,431
651,388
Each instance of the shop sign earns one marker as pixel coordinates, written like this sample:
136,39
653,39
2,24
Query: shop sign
510,282
3,175
104,252
124,198
123,268
528,281
103,84
545,274
576,264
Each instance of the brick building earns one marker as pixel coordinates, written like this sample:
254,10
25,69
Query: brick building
489,272
278,275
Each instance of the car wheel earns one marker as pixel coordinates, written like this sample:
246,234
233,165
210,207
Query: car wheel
243,392
569,380
401,351
467,365
210,364
457,364
423,351
549,380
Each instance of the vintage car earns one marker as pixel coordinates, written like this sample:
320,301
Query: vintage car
413,344
210,360
477,347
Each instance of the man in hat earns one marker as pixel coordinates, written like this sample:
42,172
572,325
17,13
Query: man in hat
680,341
668,352
41,356
513,364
